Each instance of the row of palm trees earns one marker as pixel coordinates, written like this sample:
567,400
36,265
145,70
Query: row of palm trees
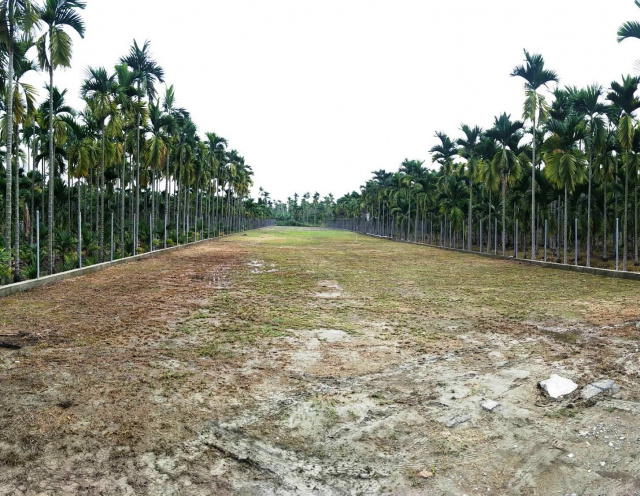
304,210
580,149
129,166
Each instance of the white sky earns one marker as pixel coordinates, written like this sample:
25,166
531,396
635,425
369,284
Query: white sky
317,94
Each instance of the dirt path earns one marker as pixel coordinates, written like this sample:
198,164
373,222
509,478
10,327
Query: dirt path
293,361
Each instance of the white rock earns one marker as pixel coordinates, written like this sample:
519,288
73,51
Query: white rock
490,405
602,464
570,455
556,386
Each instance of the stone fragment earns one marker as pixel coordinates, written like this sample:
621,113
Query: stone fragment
589,392
595,388
556,386
457,420
604,384
490,405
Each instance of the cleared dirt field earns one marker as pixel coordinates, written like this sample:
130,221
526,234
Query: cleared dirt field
295,361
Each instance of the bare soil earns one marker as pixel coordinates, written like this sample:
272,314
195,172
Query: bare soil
300,361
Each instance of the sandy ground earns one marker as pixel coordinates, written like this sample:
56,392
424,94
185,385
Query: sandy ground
292,361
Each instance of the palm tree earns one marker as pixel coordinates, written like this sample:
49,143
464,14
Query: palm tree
127,98
535,110
505,161
444,152
156,148
412,170
469,151
148,73
217,146
55,50
24,109
99,90
622,95
587,103
171,123
17,18
489,176
564,160
607,159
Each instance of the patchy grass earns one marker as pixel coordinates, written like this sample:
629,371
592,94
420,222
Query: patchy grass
371,342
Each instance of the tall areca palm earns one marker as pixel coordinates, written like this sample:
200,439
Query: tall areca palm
587,103
156,147
412,170
622,95
17,18
469,151
564,160
171,121
23,96
148,73
505,161
444,152
489,176
99,91
607,160
217,146
127,98
55,50
535,110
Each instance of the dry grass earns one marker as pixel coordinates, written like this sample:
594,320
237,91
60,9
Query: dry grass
139,357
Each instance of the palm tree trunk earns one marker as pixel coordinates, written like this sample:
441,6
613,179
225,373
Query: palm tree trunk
137,205
469,214
604,229
588,264
167,201
533,191
16,242
101,188
490,225
415,222
33,187
79,208
635,215
68,198
178,187
409,214
626,210
153,205
504,215
52,258
123,189
566,220
9,162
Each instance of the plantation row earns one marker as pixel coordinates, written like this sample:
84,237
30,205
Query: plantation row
125,174
567,173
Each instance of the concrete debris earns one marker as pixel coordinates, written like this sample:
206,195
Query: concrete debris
490,405
589,392
556,386
596,388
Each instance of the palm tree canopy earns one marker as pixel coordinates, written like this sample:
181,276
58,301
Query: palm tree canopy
534,72
147,70
57,15
622,95
629,29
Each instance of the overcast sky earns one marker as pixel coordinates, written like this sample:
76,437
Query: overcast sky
317,94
